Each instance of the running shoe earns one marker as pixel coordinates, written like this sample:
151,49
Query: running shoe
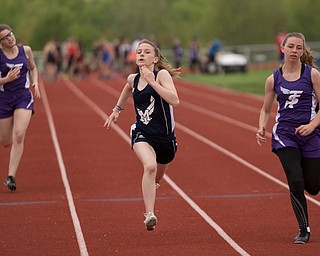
10,183
151,221
302,237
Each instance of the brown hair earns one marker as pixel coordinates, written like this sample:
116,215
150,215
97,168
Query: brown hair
4,26
306,57
162,63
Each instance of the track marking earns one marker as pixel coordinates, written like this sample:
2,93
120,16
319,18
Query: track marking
207,218
220,100
63,172
214,145
237,159
221,117
27,203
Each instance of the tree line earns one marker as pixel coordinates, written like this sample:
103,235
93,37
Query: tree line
233,21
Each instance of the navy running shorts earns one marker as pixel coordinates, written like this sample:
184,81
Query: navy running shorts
165,147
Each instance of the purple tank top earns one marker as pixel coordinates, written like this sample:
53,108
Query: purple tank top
20,61
297,101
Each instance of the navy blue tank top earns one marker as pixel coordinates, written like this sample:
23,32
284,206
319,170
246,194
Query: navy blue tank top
21,62
154,116
297,101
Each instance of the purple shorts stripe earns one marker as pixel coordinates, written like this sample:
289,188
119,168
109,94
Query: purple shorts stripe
284,136
9,102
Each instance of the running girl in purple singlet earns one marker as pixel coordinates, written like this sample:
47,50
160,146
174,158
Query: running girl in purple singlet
18,72
296,133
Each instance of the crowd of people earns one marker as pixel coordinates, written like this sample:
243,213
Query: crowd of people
69,58
66,58
111,57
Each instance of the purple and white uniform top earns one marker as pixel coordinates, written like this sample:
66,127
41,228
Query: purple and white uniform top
15,94
21,62
297,105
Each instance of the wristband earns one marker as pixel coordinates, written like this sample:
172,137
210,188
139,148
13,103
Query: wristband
119,108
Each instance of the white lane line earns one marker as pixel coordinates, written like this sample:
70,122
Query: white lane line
63,172
222,117
238,159
215,115
213,224
212,97
206,217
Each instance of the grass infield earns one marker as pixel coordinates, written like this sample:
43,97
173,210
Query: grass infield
249,82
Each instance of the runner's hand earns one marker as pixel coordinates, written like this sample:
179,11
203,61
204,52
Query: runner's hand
261,136
113,118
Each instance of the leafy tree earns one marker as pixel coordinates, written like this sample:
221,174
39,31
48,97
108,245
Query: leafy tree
234,21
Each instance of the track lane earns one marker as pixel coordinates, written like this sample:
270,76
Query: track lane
268,162
83,96
235,197
35,219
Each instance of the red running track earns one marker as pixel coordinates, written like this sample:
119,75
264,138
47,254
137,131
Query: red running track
79,185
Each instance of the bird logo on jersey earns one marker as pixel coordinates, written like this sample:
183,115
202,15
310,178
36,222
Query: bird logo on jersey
17,66
11,66
145,117
293,98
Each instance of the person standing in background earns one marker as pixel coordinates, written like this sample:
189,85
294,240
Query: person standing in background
296,133
18,71
177,52
278,41
194,55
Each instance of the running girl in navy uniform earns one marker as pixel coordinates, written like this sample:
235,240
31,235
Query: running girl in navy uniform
16,100
152,136
296,133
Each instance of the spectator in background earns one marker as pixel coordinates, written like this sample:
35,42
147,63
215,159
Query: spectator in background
105,59
51,60
177,52
213,50
124,50
278,41
132,54
71,55
79,66
211,64
194,55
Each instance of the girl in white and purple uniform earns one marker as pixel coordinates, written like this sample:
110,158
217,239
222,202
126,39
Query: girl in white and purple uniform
17,72
152,136
296,133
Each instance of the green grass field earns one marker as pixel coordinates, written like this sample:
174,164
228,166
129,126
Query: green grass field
249,82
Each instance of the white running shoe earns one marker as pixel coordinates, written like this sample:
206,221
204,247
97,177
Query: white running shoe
151,221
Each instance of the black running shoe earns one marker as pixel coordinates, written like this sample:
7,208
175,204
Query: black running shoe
302,237
10,183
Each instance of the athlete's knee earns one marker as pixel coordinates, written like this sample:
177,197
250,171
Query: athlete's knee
150,168
18,137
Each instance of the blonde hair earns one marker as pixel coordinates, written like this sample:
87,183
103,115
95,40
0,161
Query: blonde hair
162,63
306,57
